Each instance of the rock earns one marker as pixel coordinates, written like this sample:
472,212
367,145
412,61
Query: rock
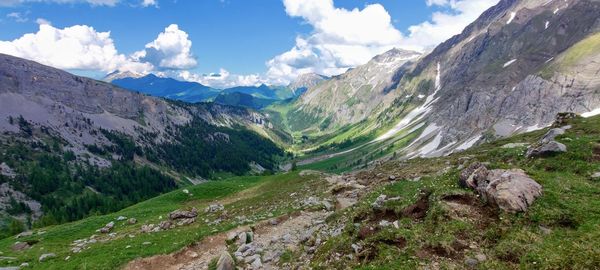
165,225
472,175
108,227
121,218
552,134
185,191
47,256
510,190
257,264
379,201
596,176
225,262
471,262
214,208
563,118
20,246
273,222
481,257
392,177
242,238
24,234
545,230
546,149
132,221
186,221
146,243
23,265
147,228
179,214
328,205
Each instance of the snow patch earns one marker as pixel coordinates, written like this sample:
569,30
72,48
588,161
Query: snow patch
469,143
547,24
512,17
592,113
510,63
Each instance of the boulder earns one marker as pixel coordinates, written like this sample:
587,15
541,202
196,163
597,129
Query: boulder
165,225
510,190
379,201
47,256
225,262
179,214
20,246
552,134
546,149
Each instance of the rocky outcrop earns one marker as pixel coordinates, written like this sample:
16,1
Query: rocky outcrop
179,214
510,190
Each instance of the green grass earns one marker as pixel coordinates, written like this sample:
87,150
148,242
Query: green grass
569,207
268,194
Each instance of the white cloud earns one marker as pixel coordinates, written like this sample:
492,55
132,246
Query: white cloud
343,38
221,80
10,3
75,47
444,25
172,49
42,21
17,17
147,3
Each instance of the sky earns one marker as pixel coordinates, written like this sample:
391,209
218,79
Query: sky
225,43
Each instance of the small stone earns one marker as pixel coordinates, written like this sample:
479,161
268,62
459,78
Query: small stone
545,230
24,265
392,177
481,257
47,256
20,246
273,222
121,218
471,262
257,264
146,243
225,262
132,221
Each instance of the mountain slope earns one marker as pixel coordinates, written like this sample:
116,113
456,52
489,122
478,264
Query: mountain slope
80,146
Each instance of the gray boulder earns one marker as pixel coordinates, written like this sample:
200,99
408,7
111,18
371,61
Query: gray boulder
225,262
47,256
546,149
510,190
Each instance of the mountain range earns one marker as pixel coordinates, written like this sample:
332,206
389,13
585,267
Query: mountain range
402,155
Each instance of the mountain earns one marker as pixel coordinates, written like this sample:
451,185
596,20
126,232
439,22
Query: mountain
306,81
243,100
508,72
167,87
73,146
353,96
116,75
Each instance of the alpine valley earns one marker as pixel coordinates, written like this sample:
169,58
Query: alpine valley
481,153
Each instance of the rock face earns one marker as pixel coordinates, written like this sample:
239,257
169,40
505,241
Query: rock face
510,190
225,262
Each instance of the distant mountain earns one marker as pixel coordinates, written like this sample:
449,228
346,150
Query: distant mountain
121,75
167,87
243,100
306,81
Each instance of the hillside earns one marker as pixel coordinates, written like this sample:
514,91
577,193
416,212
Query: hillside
321,214
165,87
72,146
502,75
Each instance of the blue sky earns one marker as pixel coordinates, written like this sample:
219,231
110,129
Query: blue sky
246,42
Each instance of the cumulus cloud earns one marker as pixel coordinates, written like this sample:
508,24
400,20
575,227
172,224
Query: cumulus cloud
343,38
11,3
42,21
445,24
75,47
172,49
222,80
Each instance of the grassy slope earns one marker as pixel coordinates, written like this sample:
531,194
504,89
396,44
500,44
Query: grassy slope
570,208
268,194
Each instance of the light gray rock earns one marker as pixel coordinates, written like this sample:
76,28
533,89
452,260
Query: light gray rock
549,148
225,262
511,190
179,214
46,257
213,208
552,134
379,201
132,221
